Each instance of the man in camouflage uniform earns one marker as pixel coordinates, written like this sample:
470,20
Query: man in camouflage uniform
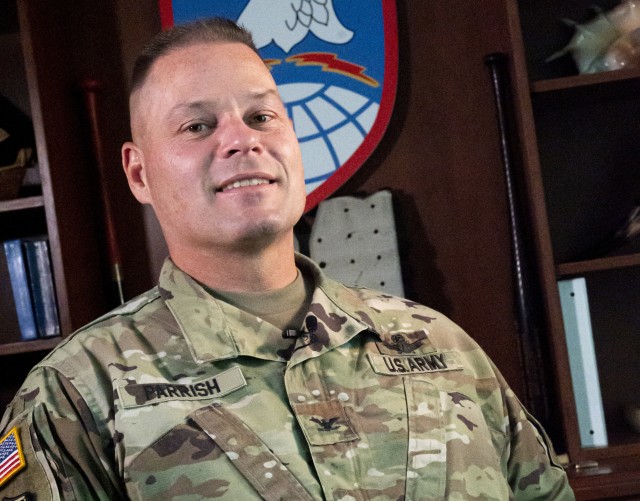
192,392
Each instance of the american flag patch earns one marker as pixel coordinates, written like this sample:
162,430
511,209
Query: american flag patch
11,457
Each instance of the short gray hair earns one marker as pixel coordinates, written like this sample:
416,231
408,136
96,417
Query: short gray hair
215,29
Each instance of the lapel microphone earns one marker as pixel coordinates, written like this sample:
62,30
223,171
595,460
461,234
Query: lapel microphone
311,326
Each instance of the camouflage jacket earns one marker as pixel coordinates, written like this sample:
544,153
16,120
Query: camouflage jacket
178,395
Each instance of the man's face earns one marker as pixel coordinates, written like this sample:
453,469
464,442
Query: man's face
214,151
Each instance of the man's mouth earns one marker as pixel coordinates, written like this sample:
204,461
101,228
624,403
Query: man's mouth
255,181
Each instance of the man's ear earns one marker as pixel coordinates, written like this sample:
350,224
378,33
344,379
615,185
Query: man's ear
135,170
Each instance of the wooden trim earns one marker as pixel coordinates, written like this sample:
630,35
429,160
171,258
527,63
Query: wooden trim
604,482
25,16
554,84
541,234
21,204
606,263
29,346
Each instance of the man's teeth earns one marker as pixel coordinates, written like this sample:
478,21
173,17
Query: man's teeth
245,182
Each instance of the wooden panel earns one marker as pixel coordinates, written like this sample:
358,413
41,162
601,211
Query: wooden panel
97,33
441,158
21,364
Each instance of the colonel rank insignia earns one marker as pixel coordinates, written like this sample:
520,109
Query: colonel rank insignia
11,457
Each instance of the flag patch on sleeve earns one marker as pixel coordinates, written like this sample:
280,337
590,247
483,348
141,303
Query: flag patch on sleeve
11,457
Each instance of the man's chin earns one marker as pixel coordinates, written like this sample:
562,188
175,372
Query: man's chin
260,235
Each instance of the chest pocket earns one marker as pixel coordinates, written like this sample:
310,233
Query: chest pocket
212,455
452,449
427,458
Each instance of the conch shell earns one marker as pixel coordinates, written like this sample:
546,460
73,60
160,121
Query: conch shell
610,41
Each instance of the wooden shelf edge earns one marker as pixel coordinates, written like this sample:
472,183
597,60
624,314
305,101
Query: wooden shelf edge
601,264
605,485
22,203
586,80
29,346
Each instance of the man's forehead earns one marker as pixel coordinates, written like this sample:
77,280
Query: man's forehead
216,52
210,60
181,63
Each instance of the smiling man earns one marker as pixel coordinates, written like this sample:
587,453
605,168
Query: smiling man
216,156
246,373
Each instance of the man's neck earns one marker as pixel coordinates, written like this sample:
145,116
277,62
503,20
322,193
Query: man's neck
270,268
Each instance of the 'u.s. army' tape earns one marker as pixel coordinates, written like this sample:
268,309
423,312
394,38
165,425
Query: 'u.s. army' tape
414,364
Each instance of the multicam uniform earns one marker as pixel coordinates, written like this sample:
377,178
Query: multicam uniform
179,395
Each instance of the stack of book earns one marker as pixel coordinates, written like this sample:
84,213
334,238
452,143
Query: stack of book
28,298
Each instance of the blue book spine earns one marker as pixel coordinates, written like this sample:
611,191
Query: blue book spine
20,287
42,288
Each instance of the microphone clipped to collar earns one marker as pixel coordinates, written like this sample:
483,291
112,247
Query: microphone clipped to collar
307,334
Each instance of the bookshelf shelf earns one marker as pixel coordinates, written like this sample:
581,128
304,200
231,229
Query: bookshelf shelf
576,81
21,204
28,346
607,263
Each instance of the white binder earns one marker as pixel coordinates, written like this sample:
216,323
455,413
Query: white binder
582,362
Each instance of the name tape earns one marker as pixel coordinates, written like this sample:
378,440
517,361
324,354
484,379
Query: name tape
135,395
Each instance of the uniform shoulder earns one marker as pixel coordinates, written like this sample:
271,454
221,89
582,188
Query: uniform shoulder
129,308
81,362
384,302
394,314
109,325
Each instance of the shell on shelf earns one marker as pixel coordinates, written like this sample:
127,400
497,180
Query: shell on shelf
609,41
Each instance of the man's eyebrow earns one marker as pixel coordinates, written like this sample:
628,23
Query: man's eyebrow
269,93
207,105
188,106
200,105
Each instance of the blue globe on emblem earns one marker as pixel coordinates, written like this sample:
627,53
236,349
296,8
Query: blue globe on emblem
330,122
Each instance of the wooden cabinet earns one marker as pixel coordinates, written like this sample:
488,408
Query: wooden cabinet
580,143
44,52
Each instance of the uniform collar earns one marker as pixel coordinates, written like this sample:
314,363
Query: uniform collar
216,330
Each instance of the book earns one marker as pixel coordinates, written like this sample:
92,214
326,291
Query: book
582,362
43,294
17,267
8,313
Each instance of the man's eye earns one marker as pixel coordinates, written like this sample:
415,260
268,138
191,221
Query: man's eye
197,128
261,118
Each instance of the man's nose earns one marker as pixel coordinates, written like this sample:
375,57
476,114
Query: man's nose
236,136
